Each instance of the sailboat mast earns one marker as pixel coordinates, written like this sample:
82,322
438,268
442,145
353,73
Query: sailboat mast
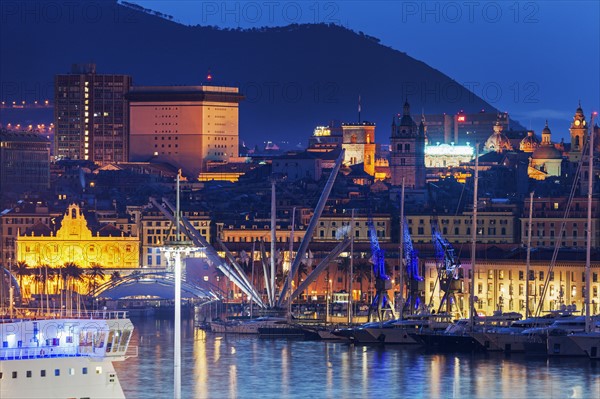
588,326
528,265
351,231
474,241
273,238
401,266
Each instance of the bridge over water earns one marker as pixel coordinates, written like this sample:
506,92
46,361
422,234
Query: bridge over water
156,284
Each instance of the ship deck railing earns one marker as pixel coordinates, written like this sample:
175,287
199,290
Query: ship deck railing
46,352
27,314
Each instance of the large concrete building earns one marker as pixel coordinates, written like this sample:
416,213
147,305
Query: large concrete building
91,116
185,126
24,162
462,128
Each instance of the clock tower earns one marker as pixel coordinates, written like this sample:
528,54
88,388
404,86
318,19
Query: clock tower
579,130
407,155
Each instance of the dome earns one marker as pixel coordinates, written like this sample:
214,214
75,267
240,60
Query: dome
546,152
498,141
546,129
529,142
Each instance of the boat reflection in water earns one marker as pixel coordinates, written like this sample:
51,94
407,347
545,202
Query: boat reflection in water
223,365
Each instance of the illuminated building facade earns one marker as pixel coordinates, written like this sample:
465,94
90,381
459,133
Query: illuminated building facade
407,155
325,138
500,284
493,227
155,229
185,126
75,242
91,116
579,132
462,128
446,155
358,139
546,160
18,219
548,217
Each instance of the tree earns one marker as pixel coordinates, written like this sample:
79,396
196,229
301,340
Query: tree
94,273
115,277
72,273
21,269
363,271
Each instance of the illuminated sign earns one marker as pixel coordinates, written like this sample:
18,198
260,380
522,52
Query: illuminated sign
447,149
461,118
322,131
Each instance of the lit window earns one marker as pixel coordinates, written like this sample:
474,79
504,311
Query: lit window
98,369
71,371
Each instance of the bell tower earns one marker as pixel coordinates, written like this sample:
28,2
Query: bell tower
579,130
407,155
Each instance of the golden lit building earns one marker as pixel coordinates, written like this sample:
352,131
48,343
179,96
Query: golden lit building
185,126
358,139
75,242
493,227
500,284
546,160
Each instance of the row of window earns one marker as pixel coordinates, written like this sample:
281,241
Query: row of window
70,371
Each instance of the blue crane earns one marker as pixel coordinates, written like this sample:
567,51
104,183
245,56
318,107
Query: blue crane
448,267
410,262
381,302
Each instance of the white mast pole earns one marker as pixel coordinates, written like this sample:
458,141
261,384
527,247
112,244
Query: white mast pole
273,238
351,230
401,266
528,265
588,324
474,241
177,344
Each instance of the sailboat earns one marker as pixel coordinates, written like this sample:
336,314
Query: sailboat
586,342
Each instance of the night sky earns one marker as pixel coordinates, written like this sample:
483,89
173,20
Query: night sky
535,60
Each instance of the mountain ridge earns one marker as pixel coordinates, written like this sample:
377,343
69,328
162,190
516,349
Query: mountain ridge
294,77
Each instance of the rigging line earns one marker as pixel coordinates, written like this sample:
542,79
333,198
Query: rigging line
562,229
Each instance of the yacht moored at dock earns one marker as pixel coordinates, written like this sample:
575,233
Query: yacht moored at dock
64,356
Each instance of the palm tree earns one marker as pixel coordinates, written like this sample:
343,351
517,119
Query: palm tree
115,277
21,270
302,272
72,273
94,273
363,271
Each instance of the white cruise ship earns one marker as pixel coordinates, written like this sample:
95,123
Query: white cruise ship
64,357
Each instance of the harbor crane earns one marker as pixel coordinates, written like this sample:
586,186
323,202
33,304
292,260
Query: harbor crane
448,267
381,304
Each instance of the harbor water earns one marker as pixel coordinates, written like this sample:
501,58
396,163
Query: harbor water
230,366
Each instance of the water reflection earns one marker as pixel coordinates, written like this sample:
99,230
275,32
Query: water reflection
215,366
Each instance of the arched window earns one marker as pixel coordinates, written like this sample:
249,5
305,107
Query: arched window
399,148
406,147
353,139
577,142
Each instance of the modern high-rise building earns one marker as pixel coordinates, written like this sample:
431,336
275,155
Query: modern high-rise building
24,162
462,128
185,126
91,116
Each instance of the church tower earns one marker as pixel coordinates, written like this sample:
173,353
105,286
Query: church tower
407,155
579,130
